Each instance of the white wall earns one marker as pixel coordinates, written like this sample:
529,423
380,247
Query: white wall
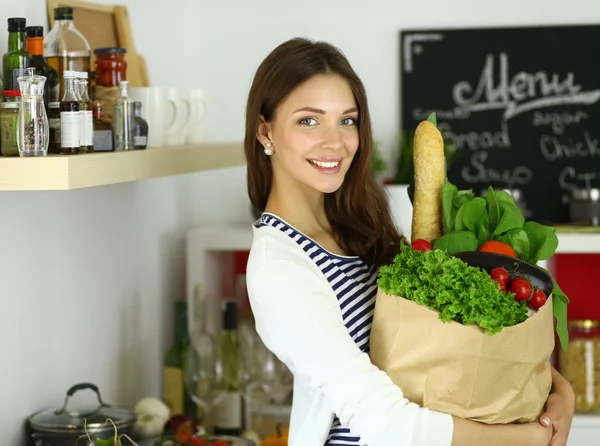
88,276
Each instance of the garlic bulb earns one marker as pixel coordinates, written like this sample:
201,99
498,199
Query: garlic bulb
149,426
153,406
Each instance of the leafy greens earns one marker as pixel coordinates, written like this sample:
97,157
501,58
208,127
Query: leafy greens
458,291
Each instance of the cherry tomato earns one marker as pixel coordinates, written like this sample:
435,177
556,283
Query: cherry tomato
501,284
538,299
521,288
422,245
501,274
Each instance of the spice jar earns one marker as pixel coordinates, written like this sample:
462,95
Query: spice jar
110,66
9,118
580,364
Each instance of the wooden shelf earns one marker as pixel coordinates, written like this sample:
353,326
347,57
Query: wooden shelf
65,172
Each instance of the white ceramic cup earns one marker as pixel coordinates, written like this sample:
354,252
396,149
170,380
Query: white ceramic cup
155,107
195,129
178,115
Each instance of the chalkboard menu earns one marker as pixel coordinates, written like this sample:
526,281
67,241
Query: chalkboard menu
521,104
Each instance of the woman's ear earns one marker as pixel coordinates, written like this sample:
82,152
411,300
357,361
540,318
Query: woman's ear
263,134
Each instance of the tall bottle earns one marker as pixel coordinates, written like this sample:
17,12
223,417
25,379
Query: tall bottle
16,60
175,394
69,117
123,119
65,49
35,48
86,114
228,413
103,139
140,128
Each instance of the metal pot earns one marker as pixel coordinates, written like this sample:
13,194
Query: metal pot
67,427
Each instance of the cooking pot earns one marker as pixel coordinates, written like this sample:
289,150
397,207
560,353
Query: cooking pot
67,426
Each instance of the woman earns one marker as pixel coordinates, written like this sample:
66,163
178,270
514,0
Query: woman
325,230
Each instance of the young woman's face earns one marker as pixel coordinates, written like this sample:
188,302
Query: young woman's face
315,134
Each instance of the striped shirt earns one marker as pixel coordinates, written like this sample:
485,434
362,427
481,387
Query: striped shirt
355,285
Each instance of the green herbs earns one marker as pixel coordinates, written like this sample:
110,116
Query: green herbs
458,291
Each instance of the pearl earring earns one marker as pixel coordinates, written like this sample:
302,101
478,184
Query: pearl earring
268,150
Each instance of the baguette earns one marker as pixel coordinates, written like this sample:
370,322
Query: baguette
428,159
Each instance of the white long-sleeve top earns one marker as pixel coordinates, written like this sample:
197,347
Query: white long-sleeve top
299,319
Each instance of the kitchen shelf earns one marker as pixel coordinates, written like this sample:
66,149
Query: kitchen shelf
66,172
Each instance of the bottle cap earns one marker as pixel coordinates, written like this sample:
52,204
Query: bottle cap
115,50
83,75
63,13
123,83
16,25
69,74
35,31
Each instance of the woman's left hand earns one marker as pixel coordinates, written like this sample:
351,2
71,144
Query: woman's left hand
560,408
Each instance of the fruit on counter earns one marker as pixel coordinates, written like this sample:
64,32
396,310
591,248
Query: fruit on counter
152,414
498,248
422,245
429,176
280,438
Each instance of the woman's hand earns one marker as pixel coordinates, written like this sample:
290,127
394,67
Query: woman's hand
560,408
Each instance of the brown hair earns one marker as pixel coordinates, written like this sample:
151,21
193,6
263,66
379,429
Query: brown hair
358,211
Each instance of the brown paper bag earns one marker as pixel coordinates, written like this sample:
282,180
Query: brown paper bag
461,370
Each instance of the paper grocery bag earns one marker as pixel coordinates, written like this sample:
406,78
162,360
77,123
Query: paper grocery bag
462,370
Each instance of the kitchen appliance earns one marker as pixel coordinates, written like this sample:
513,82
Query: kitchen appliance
67,426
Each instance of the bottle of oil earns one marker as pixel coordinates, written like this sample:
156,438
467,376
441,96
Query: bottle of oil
65,49
16,60
85,114
70,143
35,47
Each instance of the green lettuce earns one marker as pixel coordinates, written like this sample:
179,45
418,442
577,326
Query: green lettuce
458,291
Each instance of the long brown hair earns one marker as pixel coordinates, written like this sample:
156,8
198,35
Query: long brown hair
358,211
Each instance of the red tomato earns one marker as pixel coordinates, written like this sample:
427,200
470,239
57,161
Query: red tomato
220,443
501,274
538,300
198,441
501,284
497,247
521,288
421,245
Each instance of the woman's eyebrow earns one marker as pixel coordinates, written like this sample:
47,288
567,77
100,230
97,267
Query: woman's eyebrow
322,112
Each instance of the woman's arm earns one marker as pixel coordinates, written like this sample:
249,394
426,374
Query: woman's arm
299,320
560,409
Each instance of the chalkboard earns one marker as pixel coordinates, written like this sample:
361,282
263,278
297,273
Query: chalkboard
521,104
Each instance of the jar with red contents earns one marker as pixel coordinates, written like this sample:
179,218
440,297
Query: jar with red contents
110,66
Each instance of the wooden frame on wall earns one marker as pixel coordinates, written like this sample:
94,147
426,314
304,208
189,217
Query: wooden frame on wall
105,26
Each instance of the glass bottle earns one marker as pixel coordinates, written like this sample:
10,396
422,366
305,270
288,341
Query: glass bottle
85,114
103,136
228,411
9,118
35,48
32,139
66,49
140,128
16,60
123,119
69,117
54,127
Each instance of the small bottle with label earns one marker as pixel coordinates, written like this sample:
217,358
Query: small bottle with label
70,143
85,114
123,119
103,136
140,128
54,127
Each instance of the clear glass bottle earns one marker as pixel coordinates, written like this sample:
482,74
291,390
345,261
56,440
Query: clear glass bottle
16,60
54,126
123,119
140,128
103,136
35,48
85,114
69,117
33,138
65,49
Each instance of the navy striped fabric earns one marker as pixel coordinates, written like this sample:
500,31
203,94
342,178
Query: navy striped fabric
355,285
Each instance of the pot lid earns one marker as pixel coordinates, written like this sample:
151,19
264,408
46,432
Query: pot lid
76,419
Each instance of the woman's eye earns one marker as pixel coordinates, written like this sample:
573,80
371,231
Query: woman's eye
348,121
307,121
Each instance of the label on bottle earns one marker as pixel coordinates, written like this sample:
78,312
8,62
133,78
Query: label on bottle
139,141
69,129
228,413
8,128
89,127
102,141
173,389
